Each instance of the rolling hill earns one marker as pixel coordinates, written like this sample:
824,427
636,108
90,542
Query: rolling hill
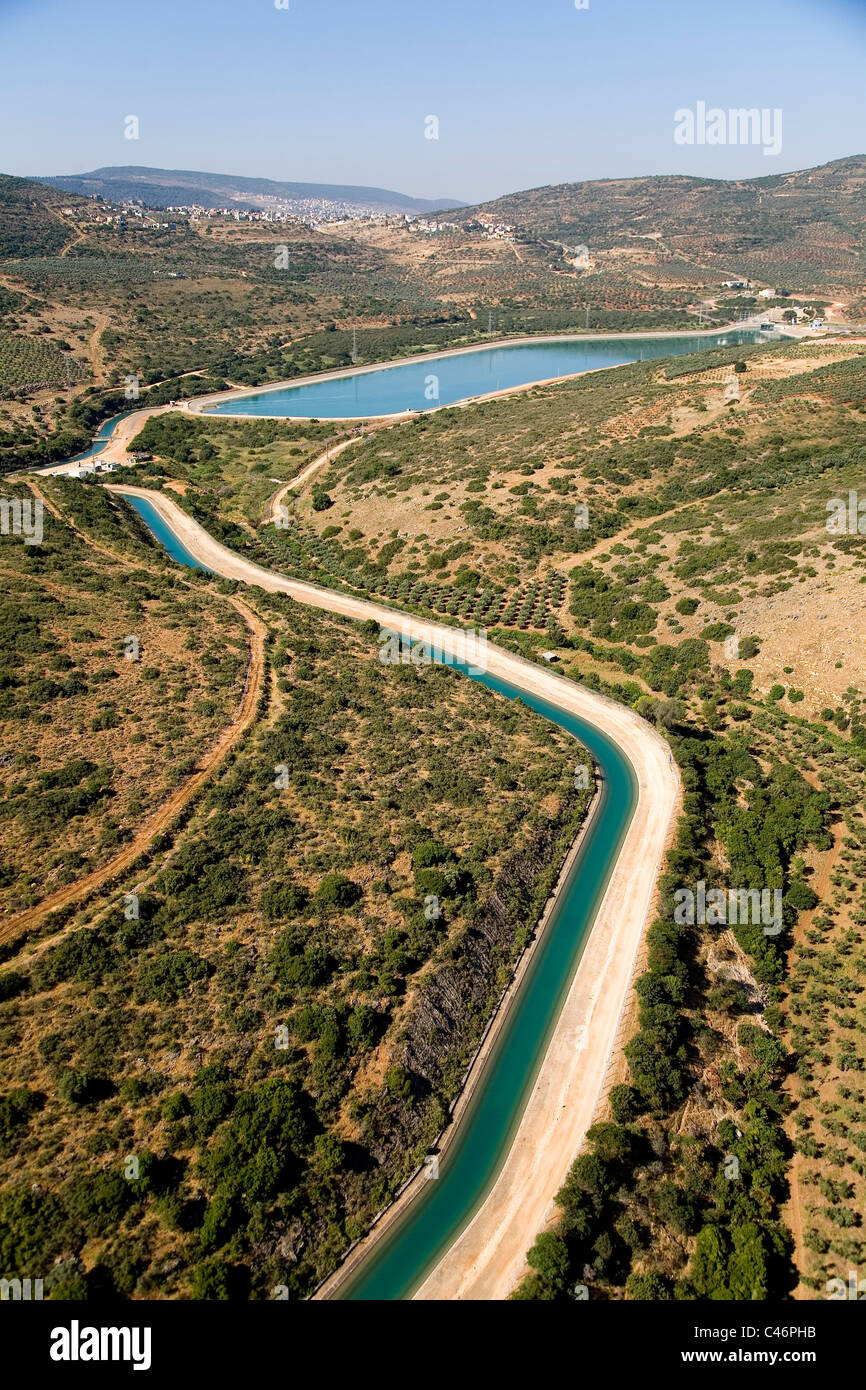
807,226
178,187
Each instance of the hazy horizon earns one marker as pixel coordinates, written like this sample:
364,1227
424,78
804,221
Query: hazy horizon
338,94
415,194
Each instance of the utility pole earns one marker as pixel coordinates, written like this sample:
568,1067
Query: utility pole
587,316
489,320
354,344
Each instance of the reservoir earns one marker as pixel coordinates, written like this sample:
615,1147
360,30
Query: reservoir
433,381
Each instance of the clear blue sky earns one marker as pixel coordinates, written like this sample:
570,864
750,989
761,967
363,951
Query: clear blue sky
527,92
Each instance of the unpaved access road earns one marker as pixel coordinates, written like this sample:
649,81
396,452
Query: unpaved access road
307,473
166,813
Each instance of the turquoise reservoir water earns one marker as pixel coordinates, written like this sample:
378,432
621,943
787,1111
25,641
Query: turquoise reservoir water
398,1264
424,384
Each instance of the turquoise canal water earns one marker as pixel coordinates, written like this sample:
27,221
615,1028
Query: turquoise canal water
424,384
399,1263
102,437
163,533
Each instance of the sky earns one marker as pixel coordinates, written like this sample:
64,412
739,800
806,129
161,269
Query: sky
525,92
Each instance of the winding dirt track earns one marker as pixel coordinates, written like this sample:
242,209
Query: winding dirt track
167,812
488,1258
306,473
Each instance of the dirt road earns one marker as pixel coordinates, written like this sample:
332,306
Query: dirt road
307,473
161,820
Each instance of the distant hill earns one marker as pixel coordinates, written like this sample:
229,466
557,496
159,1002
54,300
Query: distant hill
176,187
809,226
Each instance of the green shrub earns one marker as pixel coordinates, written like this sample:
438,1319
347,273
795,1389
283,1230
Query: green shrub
16,1109
429,852
336,890
294,964
79,1087
84,956
279,900
165,977
12,983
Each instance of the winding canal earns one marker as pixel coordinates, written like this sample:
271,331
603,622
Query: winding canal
397,1264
